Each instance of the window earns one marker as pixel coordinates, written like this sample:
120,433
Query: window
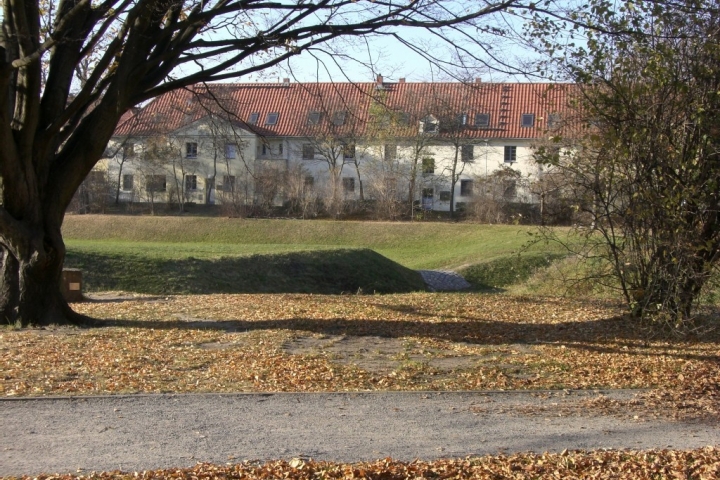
95,177
228,183
253,119
230,150
429,125
308,152
127,183
445,196
309,181
264,149
129,150
348,151
482,120
390,152
190,182
467,153
428,165
155,183
280,148
466,188
510,192
528,120
272,118
427,198
462,119
348,184
510,154
338,117
314,118
191,150
553,120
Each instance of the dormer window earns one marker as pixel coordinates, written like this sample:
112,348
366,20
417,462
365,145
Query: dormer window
528,120
482,120
338,118
314,118
272,118
462,119
429,125
553,120
253,119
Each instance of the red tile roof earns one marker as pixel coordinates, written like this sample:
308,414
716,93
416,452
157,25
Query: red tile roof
293,102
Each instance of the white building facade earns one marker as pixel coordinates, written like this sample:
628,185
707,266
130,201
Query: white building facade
422,143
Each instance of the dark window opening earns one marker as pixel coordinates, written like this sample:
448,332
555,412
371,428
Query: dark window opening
338,118
228,183
155,183
528,120
190,182
482,120
191,150
314,118
128,182
272,118
468,153
510,154
428,165
308,152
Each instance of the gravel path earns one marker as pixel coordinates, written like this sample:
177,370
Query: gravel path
130,433
444,280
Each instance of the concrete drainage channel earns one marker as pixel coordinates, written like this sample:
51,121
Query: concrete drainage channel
443,280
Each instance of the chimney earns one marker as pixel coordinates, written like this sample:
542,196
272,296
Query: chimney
478,80
402,80
379,83
286,82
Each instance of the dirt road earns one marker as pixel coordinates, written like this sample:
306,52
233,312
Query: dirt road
152,431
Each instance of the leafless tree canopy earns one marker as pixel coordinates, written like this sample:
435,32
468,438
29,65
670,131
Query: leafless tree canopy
70,69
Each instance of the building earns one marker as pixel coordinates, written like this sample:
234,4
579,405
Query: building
425,144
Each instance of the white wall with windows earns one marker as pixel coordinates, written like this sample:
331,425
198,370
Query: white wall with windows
211,162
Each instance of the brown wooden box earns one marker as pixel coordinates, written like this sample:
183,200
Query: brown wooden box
71,284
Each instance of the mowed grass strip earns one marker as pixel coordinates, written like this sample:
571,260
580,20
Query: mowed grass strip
243,343
414,245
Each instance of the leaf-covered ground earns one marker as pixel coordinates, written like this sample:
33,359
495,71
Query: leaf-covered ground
700,464
247,343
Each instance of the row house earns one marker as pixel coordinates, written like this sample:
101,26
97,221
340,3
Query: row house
268,143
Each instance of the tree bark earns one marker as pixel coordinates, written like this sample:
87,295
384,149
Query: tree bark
30,292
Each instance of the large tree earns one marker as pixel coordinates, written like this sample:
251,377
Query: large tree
642,153
70,69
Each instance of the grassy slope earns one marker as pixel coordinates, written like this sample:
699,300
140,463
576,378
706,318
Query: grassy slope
163,255
414,245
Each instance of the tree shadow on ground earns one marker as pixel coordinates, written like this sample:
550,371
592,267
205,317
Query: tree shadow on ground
607,335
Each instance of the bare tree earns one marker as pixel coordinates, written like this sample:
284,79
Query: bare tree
51,139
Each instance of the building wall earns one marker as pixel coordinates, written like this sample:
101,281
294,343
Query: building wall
383,170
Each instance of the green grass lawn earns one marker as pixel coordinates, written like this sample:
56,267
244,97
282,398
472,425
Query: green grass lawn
205,255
